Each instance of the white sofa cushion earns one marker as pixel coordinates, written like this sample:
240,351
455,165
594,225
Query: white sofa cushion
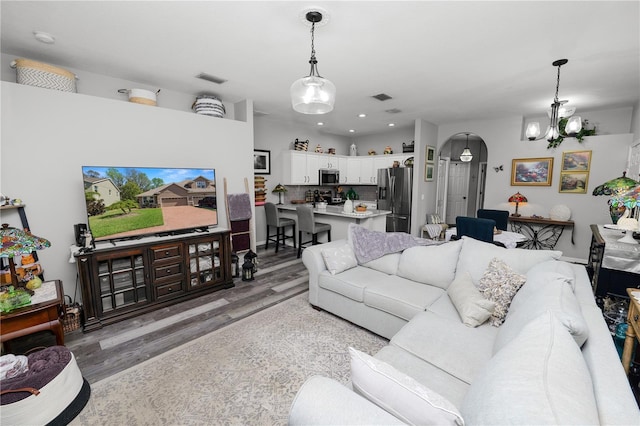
475,257
558,266
351,283
339,259
387,263
400,297
434,265
542,366
544,291
447,343
400,394
472,306
500,284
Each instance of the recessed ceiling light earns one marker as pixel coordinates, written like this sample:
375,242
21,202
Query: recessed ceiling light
362,115
392,124
352,131
320,123
44,37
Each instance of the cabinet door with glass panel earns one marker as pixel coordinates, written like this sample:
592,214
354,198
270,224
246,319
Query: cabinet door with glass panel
205,266
122,281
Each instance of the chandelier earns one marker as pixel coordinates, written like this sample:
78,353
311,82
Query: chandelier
466,155
313,94
573,126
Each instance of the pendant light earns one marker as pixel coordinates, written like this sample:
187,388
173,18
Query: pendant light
313,94
573,126
466,155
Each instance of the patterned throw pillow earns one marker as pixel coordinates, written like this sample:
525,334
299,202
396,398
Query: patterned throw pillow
339,259
499,284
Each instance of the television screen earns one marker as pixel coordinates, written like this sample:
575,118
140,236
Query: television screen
126,202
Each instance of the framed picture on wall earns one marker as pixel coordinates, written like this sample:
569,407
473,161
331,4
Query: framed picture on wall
574,182
428,172
531,171
431,154
261,161
576,161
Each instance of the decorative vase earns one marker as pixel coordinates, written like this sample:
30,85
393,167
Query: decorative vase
348,206
353,150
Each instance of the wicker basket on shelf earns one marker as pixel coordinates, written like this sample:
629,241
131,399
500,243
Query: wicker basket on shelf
38,74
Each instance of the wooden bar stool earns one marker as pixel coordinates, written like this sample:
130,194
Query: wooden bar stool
306,223
274,220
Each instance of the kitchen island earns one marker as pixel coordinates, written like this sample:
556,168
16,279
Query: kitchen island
375,220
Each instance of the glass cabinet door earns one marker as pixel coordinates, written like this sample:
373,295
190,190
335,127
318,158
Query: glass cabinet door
204,263
122,281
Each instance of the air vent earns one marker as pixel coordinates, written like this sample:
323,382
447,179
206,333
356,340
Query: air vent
393,110
211,78
382,97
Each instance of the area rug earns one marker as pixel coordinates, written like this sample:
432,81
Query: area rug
244,374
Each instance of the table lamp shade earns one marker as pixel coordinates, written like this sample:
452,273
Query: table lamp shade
517,198
16,242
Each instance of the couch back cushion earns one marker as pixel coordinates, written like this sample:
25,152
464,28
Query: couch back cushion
540,377
387,264
475,257
433,265
542,292
558,266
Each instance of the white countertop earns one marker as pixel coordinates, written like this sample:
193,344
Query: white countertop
337,211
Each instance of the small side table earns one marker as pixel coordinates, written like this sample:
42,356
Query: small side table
633,331
43,314
542,233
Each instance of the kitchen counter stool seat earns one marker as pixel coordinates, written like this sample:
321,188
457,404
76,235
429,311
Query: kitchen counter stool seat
306,223
274,220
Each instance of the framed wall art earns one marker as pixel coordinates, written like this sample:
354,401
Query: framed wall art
576,161
531,171
428,172
262,161
574,182
431,154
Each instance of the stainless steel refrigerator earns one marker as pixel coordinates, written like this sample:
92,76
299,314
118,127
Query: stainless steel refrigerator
394,193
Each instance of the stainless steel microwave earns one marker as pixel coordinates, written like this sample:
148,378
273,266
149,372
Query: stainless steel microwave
329,177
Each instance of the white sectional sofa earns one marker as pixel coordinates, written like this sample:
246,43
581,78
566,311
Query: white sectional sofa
552,360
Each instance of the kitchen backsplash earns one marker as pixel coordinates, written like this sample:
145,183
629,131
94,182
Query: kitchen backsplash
297,192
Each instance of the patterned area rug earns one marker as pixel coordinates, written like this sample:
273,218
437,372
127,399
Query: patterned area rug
246,373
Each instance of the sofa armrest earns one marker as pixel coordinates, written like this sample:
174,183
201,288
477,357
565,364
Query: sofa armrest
312,259
323,401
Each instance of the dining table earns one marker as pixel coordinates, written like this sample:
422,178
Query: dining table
508,238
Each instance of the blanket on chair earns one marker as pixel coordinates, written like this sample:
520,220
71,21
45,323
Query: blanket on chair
370,245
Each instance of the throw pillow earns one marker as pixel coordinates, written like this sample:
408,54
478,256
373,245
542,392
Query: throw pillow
399,394
434,265
339,259
471,305
500,284
539,378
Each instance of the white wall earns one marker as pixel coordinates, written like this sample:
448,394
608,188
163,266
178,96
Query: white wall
277,137
48,135
393,137
609,156
424,193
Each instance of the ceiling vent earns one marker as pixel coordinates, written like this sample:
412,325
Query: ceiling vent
211,78
382,97
393,110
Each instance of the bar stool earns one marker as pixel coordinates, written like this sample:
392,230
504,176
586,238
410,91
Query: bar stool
274,219
307,224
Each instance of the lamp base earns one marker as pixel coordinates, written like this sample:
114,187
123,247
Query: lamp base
516,214
628,238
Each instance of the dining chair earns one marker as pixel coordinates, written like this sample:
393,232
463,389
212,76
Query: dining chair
480,229
274,220
307,224
500,216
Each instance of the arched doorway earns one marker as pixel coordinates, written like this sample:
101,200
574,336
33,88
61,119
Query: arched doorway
461,185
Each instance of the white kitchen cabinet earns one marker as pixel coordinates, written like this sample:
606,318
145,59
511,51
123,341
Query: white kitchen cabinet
353,170
300,168
326,161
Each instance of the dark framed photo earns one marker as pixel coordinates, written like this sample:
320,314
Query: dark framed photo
431,154
574,182
262,161
428,172
531,171
576,161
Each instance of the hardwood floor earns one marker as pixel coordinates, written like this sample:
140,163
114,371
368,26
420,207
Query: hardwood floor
119,346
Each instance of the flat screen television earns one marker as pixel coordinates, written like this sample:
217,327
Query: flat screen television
130,202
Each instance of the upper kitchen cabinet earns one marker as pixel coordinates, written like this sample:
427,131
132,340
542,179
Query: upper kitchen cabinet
300,168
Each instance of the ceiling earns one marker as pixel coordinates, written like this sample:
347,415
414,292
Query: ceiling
442,61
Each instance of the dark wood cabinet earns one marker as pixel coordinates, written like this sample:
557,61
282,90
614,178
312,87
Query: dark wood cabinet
119,282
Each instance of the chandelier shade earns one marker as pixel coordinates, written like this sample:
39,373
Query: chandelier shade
558,112
313,94
466,155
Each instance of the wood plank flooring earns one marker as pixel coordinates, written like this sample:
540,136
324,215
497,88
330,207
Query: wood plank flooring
118,346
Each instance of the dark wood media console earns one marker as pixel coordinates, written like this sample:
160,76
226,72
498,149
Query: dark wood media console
129,278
